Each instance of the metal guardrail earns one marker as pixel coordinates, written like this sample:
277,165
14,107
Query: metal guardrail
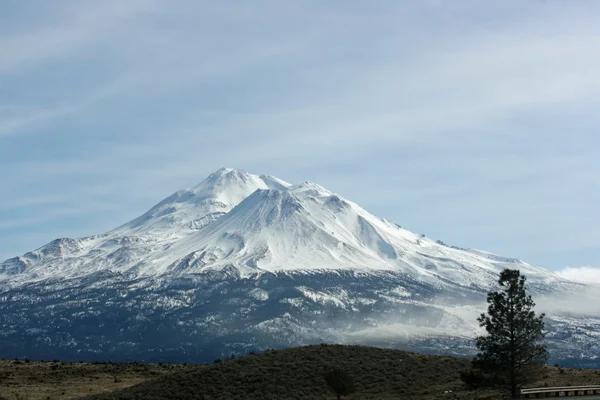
564,391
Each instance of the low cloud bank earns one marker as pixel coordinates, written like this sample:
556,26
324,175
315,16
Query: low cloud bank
584,274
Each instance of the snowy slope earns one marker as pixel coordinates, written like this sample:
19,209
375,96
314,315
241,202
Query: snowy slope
260,223
194,208
132,246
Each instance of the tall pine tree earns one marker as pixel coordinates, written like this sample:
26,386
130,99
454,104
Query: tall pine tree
512,351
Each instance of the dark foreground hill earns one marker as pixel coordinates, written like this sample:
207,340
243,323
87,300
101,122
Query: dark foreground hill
298,374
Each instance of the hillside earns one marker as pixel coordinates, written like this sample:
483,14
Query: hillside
295,373
298,374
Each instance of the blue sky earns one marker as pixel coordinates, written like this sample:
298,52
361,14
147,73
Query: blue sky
473,122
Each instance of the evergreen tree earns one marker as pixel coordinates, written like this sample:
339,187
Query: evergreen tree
512,351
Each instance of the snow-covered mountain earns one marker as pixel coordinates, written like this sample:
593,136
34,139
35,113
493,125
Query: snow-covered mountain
243,261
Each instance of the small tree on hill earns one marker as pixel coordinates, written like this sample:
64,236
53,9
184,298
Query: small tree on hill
511,352
338,380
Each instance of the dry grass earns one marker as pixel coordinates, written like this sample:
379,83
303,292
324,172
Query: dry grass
39,380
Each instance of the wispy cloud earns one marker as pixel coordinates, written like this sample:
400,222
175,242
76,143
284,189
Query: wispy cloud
13,124
54,214
75,26
31,201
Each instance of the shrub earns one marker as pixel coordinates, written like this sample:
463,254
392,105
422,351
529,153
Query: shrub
474,379
338,380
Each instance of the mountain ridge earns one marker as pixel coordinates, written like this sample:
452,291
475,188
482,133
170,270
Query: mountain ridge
244,261
185,220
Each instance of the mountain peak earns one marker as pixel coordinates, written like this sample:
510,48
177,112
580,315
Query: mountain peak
232,185
224,170
226,174
229,186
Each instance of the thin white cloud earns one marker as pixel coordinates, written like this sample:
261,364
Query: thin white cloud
463,80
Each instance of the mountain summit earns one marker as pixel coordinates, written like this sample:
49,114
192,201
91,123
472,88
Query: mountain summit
248,260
